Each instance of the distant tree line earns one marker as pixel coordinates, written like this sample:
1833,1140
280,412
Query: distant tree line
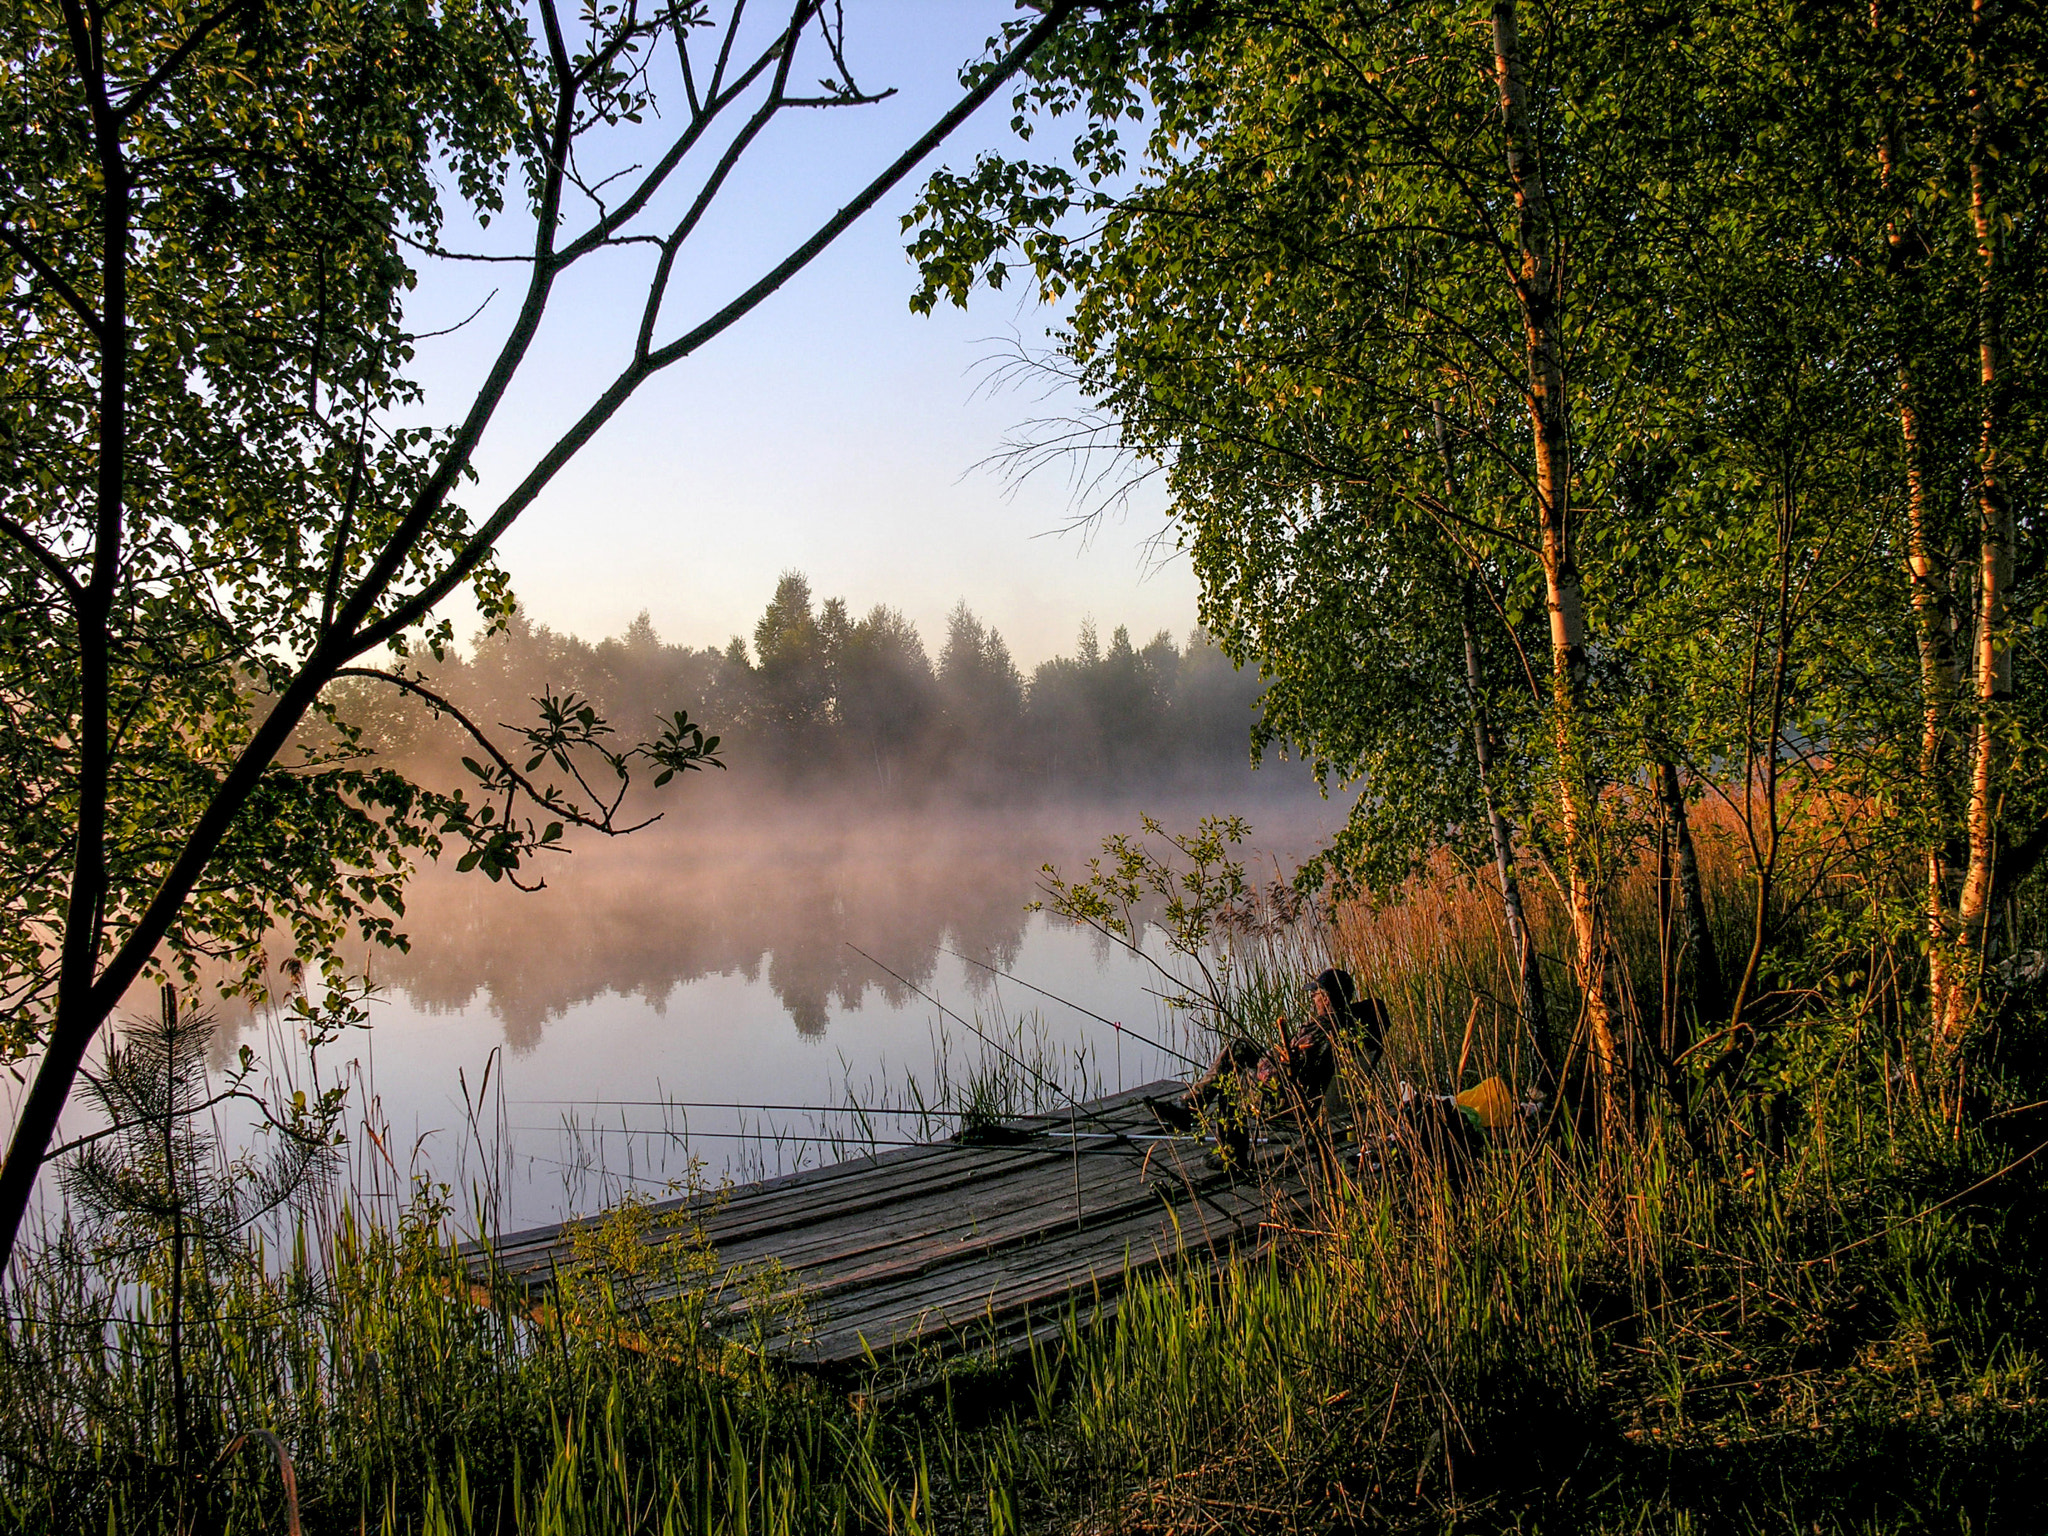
822,695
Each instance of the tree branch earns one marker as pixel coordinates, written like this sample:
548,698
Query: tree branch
139,98
657,176
480,544
404,540
43,556
49,274
477,734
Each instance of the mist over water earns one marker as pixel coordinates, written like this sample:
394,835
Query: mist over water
811,928
777,898
713,958
638,1015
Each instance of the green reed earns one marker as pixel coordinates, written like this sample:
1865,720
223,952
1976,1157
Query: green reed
407,1401
1816,1305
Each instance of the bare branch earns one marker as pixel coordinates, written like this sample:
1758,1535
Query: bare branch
657,176
480,544
442,253
832,228
450,330
847,99
657,286
680,30
732,32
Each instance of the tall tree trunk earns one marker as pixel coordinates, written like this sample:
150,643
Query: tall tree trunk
1696,938
1538,284
1928,586
1929,581
1996,534
78,1013
1534,1008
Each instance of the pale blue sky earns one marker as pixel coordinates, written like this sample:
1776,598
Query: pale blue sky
832,431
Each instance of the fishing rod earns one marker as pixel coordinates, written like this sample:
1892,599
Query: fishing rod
842,1139
838,1138
1029,1070
1120,1028
597,1173
806,1109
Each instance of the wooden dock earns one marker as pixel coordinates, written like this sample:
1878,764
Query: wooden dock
927,1251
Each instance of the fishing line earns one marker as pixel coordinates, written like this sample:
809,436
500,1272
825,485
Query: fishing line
594,1172
1031,1071
1123,1029
840,1138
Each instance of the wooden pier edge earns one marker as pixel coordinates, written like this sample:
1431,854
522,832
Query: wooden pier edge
907,1259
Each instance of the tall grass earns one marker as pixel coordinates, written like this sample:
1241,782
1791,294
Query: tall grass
1817,1308
1816,1304
405,1405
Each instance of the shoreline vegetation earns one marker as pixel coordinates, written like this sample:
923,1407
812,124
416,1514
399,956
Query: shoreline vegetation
1817,1310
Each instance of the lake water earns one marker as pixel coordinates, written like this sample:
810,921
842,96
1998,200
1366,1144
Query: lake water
598,1031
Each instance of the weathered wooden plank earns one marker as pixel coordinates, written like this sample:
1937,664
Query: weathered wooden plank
781,1199
893,1312
985,1210
937,1170
1055,1263
977,1180
793,1200
901,1317
1099,1177
835,1274
951,1244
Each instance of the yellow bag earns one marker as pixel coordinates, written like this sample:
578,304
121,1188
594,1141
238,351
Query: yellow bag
1489,1105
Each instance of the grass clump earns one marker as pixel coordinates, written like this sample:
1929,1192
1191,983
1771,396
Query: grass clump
407,1403
1552,1345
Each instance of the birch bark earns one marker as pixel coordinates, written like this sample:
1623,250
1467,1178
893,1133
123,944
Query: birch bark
1929,580
1538,284
1996,534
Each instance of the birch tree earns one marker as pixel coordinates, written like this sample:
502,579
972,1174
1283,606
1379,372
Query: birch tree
1718,312
1346,256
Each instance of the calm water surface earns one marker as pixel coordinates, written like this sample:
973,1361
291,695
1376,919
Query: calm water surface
593,1030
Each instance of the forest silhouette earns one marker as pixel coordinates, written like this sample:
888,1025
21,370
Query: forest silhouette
820,697
872,796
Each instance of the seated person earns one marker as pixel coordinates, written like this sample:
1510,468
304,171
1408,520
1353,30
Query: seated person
1291,1077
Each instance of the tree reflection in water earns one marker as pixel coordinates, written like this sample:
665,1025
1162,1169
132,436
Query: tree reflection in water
704,931
781,895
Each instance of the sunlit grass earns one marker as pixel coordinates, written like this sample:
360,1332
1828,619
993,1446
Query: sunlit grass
1822,1313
